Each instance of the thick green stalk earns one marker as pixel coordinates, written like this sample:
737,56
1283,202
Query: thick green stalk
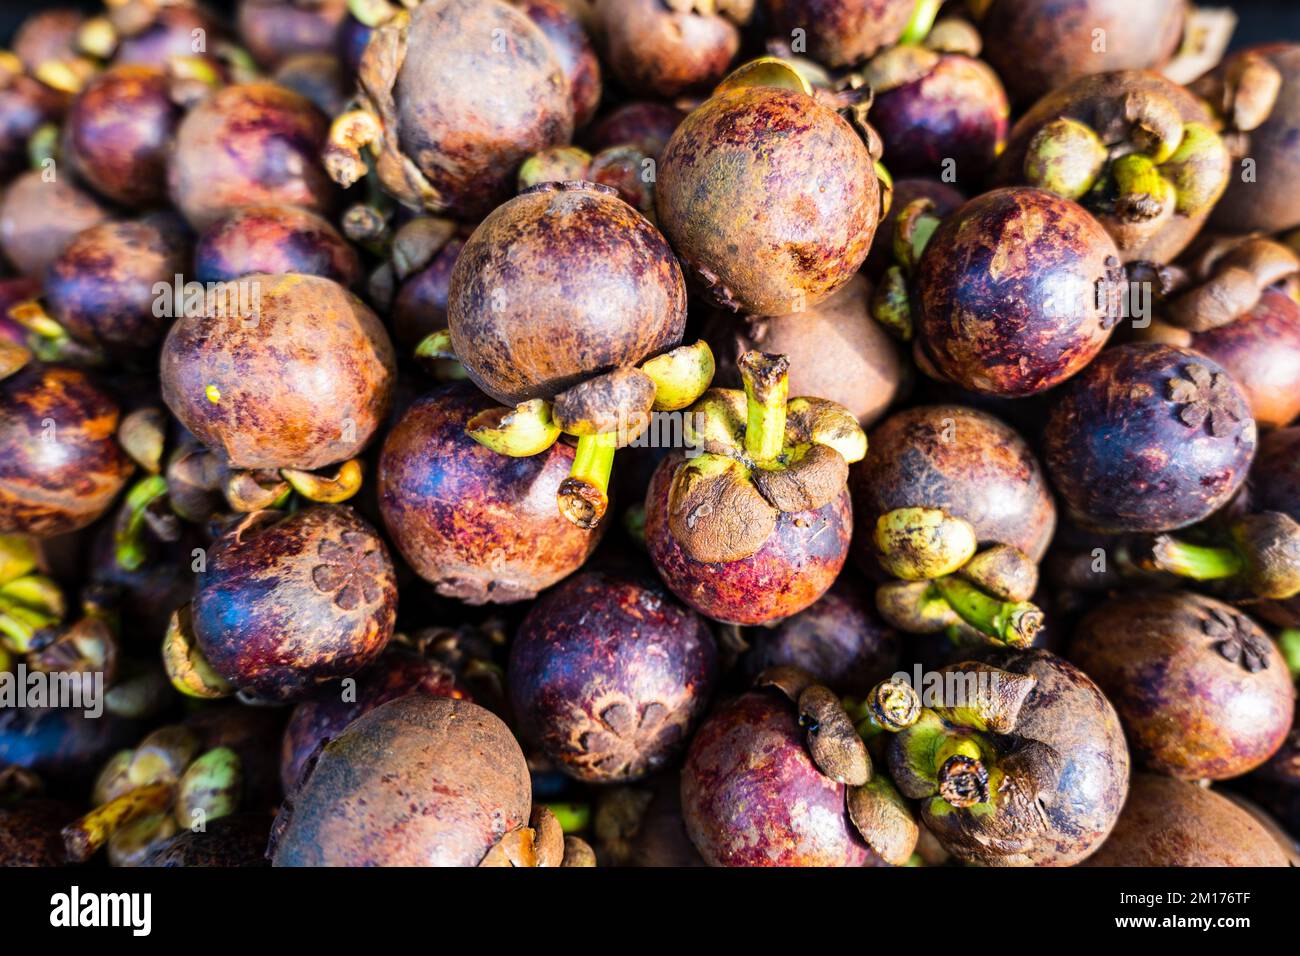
767,393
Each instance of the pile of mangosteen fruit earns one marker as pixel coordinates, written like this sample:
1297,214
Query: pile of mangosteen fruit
649,433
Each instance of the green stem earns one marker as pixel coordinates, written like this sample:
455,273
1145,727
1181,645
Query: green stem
584,495
1196,561
129,543
1008,622
767,393
923,17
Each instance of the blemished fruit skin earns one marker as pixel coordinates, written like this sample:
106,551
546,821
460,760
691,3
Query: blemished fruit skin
841,32
563,282
479,526
795,566
274,240
419,781
658,51
752,796
609,675
1169,822
770,199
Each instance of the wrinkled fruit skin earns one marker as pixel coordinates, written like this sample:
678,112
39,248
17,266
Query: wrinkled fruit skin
561,283
572,46
841,32
249,144
117,133
469,115
959,460
863,371
736,199
419,781
751,795
655,51
1037,47
234,841
101,287
1122,454
274,240
957,113
1098,101
1175,823
322,718
276,30
1202,690
609,676
480,526
289,605
1006,292
39,218
60,464
794,567
840,640
1271,202
1262,351
303,383
1057,826
29,832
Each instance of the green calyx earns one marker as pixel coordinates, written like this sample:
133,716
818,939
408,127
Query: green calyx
1065,157
130,548
1198,169
1142,193
1014,623
326,489
29,605
919,544
520,432
681,376
186,667
1262,554
953,767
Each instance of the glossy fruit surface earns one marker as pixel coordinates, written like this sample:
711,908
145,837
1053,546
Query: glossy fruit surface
770,199
60,463
478,525
286,603
1202,690
1149,438
795,566
1007,292
1261,351
561,283
274,240
609,675
419,781
303,381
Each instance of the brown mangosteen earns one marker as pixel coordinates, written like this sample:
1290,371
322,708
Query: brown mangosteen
248,145
289,602
642,124
569,40
455,95
29,832
555,300
768,195
478,525
60,463
1202,690
939,110
420,307
752,523
609,675
322,717
274,31
960,461
102,289
1149,438
1256,93
665,49
118,131
39,216
238,840
1008,293
274,240
418,781
1135,149
840,640
844,32
836,350
300,376
1174,823
1021,762
1037,47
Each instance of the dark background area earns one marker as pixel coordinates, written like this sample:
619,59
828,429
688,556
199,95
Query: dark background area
1261,20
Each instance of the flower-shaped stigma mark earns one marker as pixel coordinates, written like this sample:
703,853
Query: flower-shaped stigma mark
624,743
350,572
1236,641
1208,398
